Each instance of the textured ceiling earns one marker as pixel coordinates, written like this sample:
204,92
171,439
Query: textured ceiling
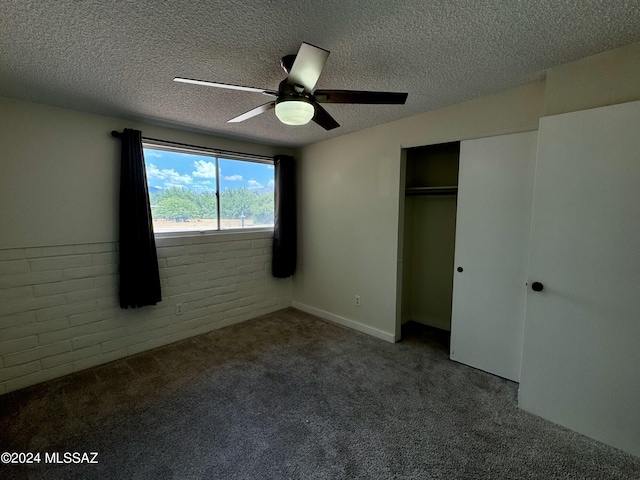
119,57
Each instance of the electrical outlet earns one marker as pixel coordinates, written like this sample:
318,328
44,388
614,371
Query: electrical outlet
178,309
357,300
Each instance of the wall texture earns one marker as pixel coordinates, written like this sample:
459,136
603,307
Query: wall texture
350,208
58,204
430,225
433,236
59,310
349,205
605,79
59,313
59,174
580,353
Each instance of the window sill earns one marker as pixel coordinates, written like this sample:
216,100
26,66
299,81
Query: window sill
212,234
198,233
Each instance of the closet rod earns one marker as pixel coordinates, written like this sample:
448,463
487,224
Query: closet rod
447,190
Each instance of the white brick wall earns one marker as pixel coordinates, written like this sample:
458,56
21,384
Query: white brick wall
59,308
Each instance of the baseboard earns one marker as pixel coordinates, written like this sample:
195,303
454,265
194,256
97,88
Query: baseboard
345,322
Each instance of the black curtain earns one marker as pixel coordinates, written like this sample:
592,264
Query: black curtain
139,275
284,231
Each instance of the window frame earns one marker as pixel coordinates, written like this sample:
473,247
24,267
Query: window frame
216,155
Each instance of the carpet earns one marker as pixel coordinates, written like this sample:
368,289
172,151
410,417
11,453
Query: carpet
291,396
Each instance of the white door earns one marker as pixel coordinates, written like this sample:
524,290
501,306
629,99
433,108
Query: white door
495,191
581,356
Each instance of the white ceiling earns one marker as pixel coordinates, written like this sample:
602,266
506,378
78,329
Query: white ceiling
119,57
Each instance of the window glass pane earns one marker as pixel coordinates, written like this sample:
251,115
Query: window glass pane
246,194
182,191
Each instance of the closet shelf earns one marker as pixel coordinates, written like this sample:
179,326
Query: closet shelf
445,190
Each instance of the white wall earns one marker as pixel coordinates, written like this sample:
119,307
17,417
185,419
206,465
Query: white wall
59,313
580,355
581,336
59,308
349,194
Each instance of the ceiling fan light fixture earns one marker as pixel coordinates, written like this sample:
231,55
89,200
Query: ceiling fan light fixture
295,112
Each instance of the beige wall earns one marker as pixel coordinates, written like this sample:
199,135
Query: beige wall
59,174
606,79
429,237
349,186
349,203
430,263
59,309
58,190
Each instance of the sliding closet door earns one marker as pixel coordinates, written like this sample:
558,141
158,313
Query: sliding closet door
581,357
495,191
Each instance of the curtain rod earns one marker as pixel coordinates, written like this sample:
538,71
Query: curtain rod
116,134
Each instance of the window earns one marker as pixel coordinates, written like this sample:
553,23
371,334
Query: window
197,191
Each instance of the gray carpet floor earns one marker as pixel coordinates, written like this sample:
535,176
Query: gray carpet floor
289,395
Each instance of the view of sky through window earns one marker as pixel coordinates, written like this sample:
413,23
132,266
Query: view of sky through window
182,189
197,172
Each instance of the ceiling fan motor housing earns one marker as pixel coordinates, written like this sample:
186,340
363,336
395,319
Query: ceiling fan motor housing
286,62
287,91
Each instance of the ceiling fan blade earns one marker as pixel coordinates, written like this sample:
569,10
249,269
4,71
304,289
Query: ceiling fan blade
357,96
226,85
307,66
254,112
322,118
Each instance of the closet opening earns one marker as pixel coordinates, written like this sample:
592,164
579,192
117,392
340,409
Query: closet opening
428,232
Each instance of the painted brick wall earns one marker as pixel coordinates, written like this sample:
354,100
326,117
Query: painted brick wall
59,309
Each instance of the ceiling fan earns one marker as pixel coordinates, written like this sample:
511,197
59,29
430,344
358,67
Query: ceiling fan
296,102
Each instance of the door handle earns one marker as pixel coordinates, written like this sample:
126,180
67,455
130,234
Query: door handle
537,287
460,269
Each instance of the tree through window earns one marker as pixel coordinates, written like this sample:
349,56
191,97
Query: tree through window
195,191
